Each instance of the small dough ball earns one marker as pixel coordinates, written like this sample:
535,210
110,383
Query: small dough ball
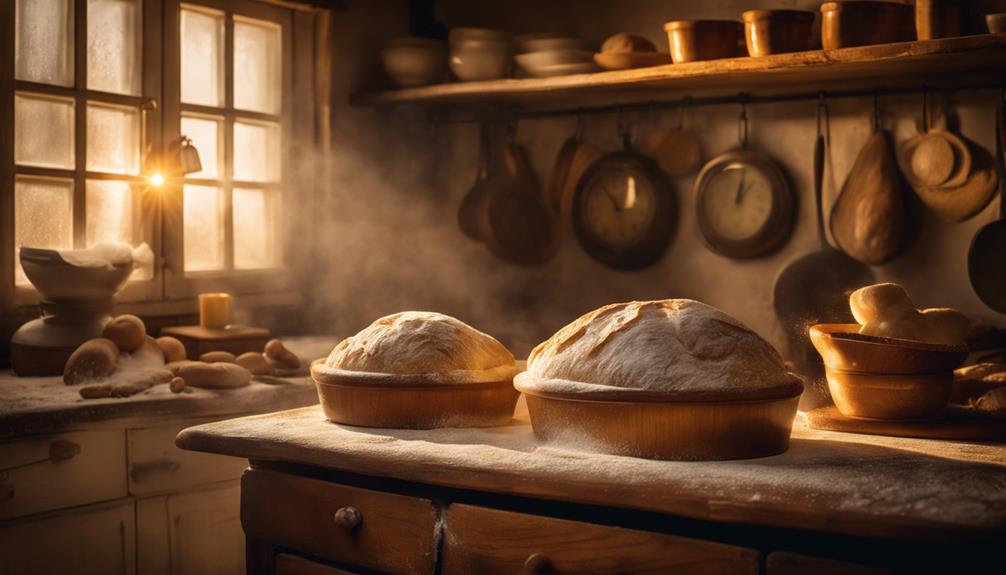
993,402
627,43
276,351
947,326
218,357
214,375
176,385
873,302
255,363
127,331
902,323
174,350
94,359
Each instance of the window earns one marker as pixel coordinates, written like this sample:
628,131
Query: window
96,96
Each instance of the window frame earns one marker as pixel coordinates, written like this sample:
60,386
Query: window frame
177,282
150,289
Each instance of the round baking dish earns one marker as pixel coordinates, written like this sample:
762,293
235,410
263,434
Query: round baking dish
411,401
697,426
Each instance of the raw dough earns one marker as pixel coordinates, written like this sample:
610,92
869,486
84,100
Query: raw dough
213,375
255,363
627,43
127,331
275,350
218,357
669,345
885,310
94,359
174,350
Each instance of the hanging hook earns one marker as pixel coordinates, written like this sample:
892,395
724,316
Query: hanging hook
623,127
822,109
925,109
876,111
742,123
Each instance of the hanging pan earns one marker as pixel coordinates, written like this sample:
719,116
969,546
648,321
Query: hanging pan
987,255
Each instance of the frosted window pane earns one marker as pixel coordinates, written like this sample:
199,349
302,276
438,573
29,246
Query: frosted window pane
43,131
43,48
256,152
202,58
43,216
113,46
257,56
205,134
204,236
256,217
109,212
113,139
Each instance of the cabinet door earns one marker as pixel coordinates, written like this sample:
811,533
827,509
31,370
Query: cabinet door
156,465
98,539
193,533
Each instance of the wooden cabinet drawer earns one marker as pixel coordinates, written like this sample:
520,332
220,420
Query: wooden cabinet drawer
99,539
488,541
94,469
157,466
785,563
294,565
394,534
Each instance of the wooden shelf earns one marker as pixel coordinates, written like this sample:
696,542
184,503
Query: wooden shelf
949,62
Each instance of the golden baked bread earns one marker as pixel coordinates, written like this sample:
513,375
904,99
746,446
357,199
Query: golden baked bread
424,343
627,44
886,310
675,345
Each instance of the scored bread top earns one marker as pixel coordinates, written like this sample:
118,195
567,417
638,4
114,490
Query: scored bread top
424,343
672,345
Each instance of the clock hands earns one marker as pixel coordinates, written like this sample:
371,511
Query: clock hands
740,189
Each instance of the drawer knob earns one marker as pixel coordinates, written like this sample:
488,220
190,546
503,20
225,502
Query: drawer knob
348,517
538,563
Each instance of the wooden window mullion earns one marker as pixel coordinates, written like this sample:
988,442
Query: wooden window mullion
80,123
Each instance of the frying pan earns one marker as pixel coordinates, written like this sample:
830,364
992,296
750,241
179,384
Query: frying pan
471,204
987,255
813,288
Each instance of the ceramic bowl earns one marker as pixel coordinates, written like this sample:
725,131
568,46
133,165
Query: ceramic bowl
480,34
478,64
891,397
550,44
416,65
996,23
842,347
535,60
777,31
863,22
695,40
58,281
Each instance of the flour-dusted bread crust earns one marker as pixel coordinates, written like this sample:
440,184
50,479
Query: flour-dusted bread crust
429,344
675,345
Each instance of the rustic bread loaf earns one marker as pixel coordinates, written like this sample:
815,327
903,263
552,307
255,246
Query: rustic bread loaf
424,343
671,345
886,310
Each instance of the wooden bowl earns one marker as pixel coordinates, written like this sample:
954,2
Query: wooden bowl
696,426
777,31
860,23
996,23
410,401
695,40
843,348
893,397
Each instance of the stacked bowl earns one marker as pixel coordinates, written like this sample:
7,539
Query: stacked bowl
480,54
548,55
414,61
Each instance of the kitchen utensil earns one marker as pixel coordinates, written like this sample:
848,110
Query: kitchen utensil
410,401
814,287
938,19
863,22
682,426
769,32
560,171
843,347
416,61
987,254
868,218
958,425
695,40
517,225
75,301
935,158
676,150
996,23
469,219
575,156
957,203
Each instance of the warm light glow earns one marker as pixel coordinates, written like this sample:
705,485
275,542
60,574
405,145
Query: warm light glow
157,180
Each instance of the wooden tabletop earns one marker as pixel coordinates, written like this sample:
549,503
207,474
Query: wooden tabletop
34,405
909,489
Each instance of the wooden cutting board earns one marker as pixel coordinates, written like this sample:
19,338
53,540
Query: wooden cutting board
959,424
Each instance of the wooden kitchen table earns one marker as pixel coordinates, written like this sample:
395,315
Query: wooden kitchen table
321,498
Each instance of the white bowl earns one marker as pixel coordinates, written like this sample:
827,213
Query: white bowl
472,65
563,70
417,42
457,34
482,44
411,66
551,44
533,60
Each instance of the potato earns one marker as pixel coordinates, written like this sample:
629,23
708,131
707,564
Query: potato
176,385
275,350
127,331
218,357
214,375
94,359
255,363
870,303
174,350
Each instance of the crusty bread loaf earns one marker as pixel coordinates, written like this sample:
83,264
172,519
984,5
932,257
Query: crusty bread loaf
886,310
423,343
668,346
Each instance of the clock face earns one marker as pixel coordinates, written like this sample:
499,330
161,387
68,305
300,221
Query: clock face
738,201
618,207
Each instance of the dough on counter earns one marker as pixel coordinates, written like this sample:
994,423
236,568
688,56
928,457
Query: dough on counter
669,346
424,343
127,331
173,348
868,303
94,359
886,310
213,375
993,402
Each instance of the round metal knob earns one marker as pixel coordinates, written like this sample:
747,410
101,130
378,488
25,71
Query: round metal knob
348,517
537,563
